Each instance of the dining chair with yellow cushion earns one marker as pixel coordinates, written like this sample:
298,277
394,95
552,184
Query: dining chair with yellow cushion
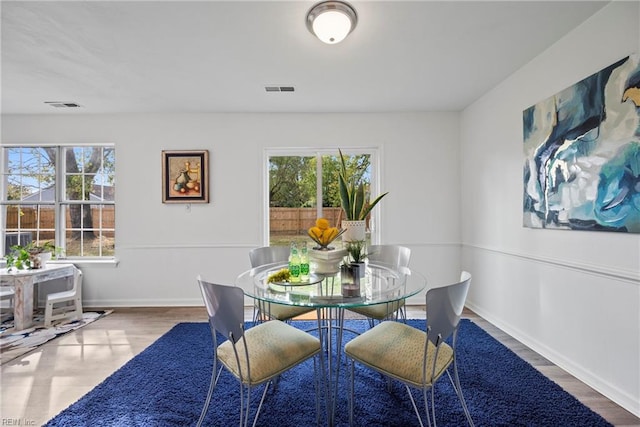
416,357
262,311
392,255
256,355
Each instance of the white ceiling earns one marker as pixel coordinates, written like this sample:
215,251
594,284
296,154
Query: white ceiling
218,56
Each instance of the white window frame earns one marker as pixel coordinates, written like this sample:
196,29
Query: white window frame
376,177
60,204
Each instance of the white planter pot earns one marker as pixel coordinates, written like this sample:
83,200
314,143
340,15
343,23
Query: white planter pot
326,262
40,260
356,230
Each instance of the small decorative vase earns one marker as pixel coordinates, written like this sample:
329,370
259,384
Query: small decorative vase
39,260
361,267
44,257
356,230
350,280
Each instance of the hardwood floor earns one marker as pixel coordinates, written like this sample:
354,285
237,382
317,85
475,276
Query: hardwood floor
598,403
41,384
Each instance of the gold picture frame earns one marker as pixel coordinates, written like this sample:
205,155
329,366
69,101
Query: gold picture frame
185,176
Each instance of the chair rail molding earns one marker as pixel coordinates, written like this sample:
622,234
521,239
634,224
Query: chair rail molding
191,246
598,270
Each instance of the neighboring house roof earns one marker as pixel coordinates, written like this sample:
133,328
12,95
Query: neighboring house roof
48,194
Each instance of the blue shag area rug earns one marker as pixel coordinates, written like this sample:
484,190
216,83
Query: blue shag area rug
167,383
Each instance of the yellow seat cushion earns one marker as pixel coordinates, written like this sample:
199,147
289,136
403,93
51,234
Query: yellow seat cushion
397,350
284,312
273,348
378,311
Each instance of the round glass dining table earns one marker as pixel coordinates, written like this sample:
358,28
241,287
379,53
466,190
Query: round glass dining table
379,284
330,295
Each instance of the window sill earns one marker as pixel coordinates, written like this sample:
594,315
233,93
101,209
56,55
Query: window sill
113,262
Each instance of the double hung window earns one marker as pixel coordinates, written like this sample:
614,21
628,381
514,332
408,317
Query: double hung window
64,195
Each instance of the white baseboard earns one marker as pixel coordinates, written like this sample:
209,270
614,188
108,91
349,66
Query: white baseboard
186,302
605,388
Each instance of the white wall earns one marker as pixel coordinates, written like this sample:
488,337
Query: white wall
162,248
572,296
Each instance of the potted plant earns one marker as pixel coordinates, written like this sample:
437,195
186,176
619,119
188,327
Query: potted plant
18,258
30,256
356,255
355,202
355,249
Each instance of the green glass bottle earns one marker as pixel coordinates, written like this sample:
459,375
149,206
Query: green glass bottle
294,263
304,263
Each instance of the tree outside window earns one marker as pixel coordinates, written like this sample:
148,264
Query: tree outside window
78,215
294,191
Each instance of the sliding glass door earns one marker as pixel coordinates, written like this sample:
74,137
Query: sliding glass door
302,185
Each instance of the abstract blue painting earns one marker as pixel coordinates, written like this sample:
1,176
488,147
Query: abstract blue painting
582,154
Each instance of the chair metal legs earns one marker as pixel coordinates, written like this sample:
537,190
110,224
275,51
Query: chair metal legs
351,385
264,394
245,407
317,384
413,402
256,314
246,417
458,389
402,314
431,414
212,386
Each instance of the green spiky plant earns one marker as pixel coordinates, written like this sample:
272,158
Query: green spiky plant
356,251
352,194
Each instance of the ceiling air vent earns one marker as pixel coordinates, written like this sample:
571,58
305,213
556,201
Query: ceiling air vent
279,88
58,104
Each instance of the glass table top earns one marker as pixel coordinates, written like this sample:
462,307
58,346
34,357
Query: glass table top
379,284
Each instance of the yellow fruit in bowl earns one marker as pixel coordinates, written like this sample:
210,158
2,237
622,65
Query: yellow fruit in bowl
330,234
315,233
322,233
322,223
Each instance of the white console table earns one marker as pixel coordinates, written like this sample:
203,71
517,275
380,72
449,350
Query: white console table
23,282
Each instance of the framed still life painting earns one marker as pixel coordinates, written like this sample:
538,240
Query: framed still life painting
185,176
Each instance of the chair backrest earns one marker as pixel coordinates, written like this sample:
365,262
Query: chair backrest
77,282
225,308
6,292
390,254
444,308
268,255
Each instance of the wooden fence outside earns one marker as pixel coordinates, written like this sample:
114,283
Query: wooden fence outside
282,220
29,219
296,220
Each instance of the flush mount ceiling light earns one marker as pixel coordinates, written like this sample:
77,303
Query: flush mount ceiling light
331,21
